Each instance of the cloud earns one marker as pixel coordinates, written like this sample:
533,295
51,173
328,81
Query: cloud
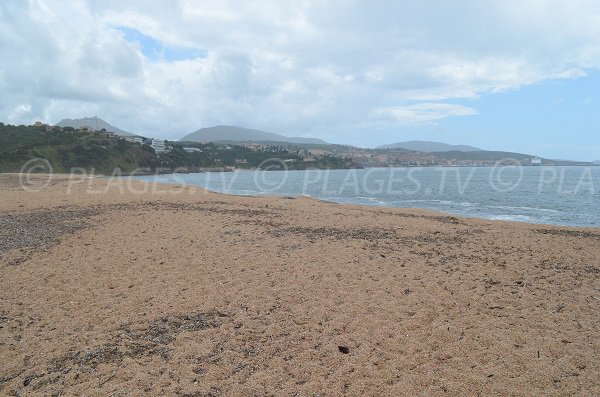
156,50
572,73
294,67
425,112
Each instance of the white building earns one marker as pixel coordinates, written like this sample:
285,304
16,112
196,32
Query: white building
192,150
536,161
134,139
158,145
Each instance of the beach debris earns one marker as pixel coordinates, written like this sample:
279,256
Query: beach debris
335,233
28,379
344,349
213,392
16,257
569,233
154,339
40,228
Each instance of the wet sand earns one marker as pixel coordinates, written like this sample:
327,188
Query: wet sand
180,292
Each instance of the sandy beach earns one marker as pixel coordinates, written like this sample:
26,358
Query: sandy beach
106,291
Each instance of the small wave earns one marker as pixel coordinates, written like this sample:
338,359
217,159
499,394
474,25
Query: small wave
420,201
508,207
366,198
243,192
518,218
357,200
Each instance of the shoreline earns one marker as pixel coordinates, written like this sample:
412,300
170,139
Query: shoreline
62,177
491,218
385,206
200,293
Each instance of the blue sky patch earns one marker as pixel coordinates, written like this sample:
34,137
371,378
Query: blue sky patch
156,50
536,119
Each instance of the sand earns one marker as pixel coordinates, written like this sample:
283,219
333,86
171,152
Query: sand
180,292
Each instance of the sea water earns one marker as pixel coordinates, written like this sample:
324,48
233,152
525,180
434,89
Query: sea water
545,195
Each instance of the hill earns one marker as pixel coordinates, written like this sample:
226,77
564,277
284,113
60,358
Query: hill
66,150
428,147
486,155
95,123
232,134
482,155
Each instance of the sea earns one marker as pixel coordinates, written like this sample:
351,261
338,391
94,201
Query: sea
567,196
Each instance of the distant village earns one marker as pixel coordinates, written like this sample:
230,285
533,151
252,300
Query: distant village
343,156
165,146
408,158
159,145
208,156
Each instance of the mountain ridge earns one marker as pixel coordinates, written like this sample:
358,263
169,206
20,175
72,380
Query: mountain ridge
93,122
228,133
429,147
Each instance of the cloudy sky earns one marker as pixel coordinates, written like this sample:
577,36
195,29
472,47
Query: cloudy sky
508,75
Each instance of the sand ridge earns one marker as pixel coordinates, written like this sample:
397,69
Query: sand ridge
189,293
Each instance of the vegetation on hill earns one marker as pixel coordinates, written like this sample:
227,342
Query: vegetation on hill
67,148
70,148
239,156
428,147
482,155
101,152
93,122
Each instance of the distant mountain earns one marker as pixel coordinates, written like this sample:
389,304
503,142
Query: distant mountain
94,152
482,155
93,122
597,162
427,147
224,133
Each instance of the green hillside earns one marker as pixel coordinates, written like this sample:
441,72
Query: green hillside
70,149
67,148
238,156
481,155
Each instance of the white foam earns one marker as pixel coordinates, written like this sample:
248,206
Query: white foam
518,218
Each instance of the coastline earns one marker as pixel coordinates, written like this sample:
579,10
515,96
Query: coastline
163,293
534,206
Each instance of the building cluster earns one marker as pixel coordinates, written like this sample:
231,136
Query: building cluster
159,145
255,147
360,156
405,158
192,150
